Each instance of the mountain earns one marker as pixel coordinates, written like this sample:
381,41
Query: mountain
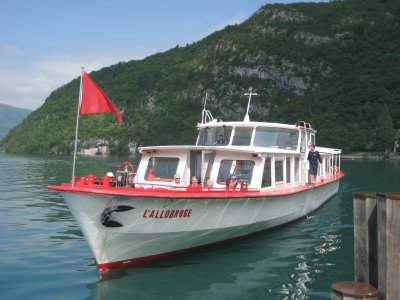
11,116
335,65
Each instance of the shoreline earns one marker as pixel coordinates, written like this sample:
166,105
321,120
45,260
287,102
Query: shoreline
369,157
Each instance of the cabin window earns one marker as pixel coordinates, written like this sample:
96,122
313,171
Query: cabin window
328,166
296,169
303,145
312,139
266,179
208,164
242,169
195,163
161,168
276,138
214,136
278,170
288,169
242,136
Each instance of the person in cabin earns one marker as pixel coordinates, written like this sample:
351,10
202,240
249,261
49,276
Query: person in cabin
243,186
234,181
209,184
195,185
151,175
220,140
313,158
177,183
230,185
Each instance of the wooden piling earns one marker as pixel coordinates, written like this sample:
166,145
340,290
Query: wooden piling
376,247
389,245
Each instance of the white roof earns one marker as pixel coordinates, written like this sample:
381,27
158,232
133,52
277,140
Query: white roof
247,124
328,150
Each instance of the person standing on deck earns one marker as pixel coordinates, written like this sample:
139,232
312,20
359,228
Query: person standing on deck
313,158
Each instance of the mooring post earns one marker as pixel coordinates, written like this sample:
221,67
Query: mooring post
365,252
365,238
376,249
350,290
388,218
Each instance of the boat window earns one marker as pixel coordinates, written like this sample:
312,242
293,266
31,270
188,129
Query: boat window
242,169
296,169
242,136
288,169
208,164
328,166
266,179
303,145
312,139
161,168
278,170
195,163
214,136
276,138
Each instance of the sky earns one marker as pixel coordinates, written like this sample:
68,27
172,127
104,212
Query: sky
44,43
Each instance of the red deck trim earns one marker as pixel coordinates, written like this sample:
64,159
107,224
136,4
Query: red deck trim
174,194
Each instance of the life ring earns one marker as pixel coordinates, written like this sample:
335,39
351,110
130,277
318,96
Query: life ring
126,164
126,174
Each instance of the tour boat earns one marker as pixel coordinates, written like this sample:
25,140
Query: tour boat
143,215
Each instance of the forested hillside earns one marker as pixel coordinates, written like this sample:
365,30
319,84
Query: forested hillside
335,65
10,116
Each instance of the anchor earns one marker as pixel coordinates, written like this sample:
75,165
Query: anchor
106,215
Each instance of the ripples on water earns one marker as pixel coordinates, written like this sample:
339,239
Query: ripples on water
44,256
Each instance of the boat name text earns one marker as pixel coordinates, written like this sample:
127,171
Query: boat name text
165,214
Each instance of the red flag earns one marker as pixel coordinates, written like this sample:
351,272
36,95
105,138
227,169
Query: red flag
94,100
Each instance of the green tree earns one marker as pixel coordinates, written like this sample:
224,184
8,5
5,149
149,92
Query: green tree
384,133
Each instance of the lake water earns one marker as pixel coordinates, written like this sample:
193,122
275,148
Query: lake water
43,254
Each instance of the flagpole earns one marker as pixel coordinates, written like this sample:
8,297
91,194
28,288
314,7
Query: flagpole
76,130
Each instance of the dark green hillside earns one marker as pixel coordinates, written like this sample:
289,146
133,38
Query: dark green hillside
11,116
336,65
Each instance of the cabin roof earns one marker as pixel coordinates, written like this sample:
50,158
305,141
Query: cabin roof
215,123
233,149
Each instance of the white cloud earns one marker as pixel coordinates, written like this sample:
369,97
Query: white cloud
9,50
26,82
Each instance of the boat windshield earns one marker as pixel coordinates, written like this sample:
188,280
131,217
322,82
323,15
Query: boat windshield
214,136
276,138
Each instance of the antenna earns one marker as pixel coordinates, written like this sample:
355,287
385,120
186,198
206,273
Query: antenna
250,93
205,101
206,115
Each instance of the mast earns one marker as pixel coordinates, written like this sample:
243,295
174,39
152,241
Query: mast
250,93
76,130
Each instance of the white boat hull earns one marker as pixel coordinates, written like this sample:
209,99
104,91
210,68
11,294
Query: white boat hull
159,226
